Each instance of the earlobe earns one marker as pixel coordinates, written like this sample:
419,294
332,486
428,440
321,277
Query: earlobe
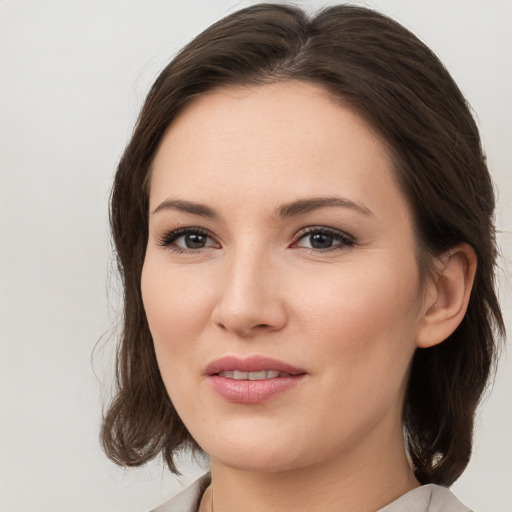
448,296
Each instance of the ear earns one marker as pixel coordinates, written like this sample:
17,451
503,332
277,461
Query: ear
447,295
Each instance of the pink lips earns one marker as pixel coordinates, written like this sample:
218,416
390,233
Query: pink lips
251,391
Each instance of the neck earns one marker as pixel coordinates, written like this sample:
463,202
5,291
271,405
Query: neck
343,483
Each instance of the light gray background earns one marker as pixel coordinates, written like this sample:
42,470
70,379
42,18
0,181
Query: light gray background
73,74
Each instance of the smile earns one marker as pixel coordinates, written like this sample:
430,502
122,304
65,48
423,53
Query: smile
261,375
252,380
251,368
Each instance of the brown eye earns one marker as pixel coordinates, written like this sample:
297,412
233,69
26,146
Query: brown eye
324,239
188,240
193,241
321,241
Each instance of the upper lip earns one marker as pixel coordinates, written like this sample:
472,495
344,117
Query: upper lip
250,364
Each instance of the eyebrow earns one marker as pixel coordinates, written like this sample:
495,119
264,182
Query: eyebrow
186,206
290,209
314,203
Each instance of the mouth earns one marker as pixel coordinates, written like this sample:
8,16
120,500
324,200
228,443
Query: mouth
252,380
261,375
251,368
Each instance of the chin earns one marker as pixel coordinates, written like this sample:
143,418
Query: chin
254,462
257,454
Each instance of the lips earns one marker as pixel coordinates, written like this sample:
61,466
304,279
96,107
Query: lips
251,364
252,380
262,375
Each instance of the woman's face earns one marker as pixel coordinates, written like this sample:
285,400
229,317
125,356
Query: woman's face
280,281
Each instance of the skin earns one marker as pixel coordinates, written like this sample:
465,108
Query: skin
351,315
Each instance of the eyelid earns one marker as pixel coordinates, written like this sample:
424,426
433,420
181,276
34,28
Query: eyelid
348,240
168,237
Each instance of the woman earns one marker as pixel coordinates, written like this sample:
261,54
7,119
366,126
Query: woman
304,225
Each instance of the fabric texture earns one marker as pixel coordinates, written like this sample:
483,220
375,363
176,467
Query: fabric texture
427,498
188,499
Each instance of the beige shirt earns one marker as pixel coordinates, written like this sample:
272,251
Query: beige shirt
427,498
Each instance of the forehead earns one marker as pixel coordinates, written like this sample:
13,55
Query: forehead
264,141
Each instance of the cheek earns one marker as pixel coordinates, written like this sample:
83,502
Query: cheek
175,302
363,317
359,330
176,308
174,311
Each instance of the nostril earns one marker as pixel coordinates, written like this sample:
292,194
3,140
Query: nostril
246,318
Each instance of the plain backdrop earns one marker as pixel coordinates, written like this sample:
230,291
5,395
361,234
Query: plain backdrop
73,75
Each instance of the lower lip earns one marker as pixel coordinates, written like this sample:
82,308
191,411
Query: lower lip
252,391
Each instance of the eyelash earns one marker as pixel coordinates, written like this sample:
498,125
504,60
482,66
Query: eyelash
345,239
169,238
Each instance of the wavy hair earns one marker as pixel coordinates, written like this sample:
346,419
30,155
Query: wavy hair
373,65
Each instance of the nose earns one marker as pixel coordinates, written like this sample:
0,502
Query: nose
251,301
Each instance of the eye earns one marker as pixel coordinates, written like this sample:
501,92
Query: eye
188,240
323,239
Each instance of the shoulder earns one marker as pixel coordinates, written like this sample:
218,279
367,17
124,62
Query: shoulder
427,498
186,500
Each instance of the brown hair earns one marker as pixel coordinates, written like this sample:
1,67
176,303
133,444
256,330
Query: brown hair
377,67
